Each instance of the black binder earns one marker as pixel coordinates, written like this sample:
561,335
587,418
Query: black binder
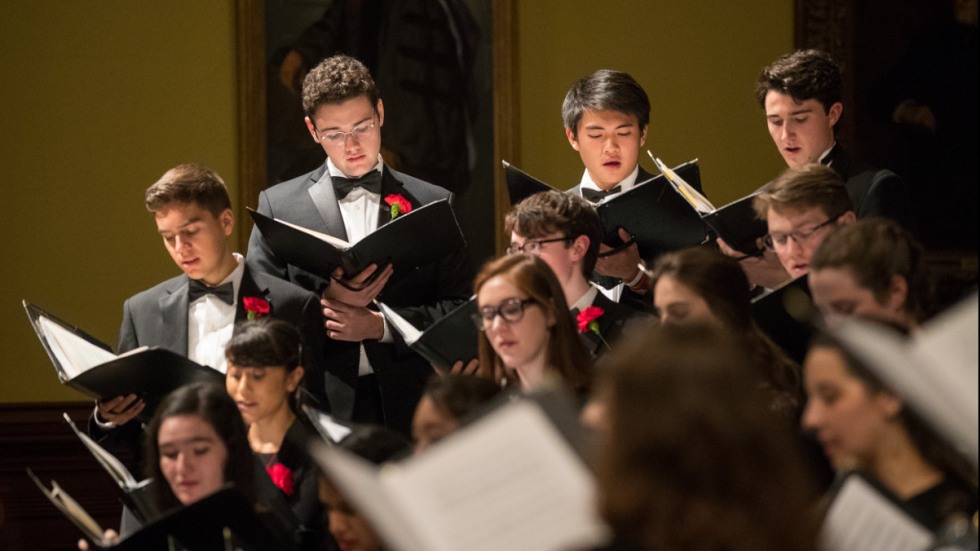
738,225
408,242
521,185
784,314
150,373
449,339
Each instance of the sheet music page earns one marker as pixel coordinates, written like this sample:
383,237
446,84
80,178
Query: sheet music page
361,484
861,519
408,331
513,467
334,430
75,354
335,241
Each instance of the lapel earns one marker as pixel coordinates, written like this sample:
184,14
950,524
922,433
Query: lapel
838,160
173,316
325,200
391,185
249,288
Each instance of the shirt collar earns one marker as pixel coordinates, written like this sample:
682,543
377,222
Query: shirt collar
625,185
826,153
587,299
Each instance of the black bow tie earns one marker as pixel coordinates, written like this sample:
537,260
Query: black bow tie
370,181
198,289
596,195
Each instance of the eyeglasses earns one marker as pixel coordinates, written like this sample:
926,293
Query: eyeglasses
339,137
773,241
533,247
510,310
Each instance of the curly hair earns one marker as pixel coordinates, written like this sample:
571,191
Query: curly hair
803,75
336,80
189,184
605,90
556,211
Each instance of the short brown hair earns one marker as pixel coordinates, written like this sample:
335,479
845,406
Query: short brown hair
188,184
557,211
813,185
875,250
336,80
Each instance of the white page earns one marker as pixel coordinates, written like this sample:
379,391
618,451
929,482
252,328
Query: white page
335,241
360,483
409,332
933,371
116,469
75,354
508,481
334,430
861,519
687,191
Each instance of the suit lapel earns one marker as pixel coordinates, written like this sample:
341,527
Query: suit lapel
325,200
390,185
249,288
173,314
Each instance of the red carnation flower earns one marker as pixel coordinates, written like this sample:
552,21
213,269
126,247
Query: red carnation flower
282,477
398,204
588,322
256,307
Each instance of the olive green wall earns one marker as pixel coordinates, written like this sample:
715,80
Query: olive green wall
98,100
697,61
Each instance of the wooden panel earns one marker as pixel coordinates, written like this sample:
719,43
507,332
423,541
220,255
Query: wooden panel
36,436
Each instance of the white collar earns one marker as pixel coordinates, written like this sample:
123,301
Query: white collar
625,185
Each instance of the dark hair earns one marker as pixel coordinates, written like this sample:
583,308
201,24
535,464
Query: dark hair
460,395
376,444
566,353
813,185
212,404
721,282
695,460
803,75
875,250
265,342
336,80
189,184
558,212
605,90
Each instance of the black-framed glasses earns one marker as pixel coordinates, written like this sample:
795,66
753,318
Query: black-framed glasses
339,137
510,310
533,247
779,240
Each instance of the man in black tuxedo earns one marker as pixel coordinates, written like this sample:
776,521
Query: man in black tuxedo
564,230
372,376
194,313
802,95
606,116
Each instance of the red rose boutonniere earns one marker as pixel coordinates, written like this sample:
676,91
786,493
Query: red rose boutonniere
282,477
588,322
256,307
398,204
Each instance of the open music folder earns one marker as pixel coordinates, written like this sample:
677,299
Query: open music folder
89,365
400,242
508,480
449,339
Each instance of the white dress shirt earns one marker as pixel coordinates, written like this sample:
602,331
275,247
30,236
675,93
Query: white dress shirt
210,322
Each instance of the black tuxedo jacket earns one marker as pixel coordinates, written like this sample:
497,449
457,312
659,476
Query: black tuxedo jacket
615,318
421,297
873,192
158,317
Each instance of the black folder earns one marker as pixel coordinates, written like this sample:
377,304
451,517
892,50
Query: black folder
150,373
657,217
206,524
784,314
449,339
408,242
738,225
521,185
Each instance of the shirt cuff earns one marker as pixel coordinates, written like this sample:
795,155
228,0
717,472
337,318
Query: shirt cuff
386,338
107,425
